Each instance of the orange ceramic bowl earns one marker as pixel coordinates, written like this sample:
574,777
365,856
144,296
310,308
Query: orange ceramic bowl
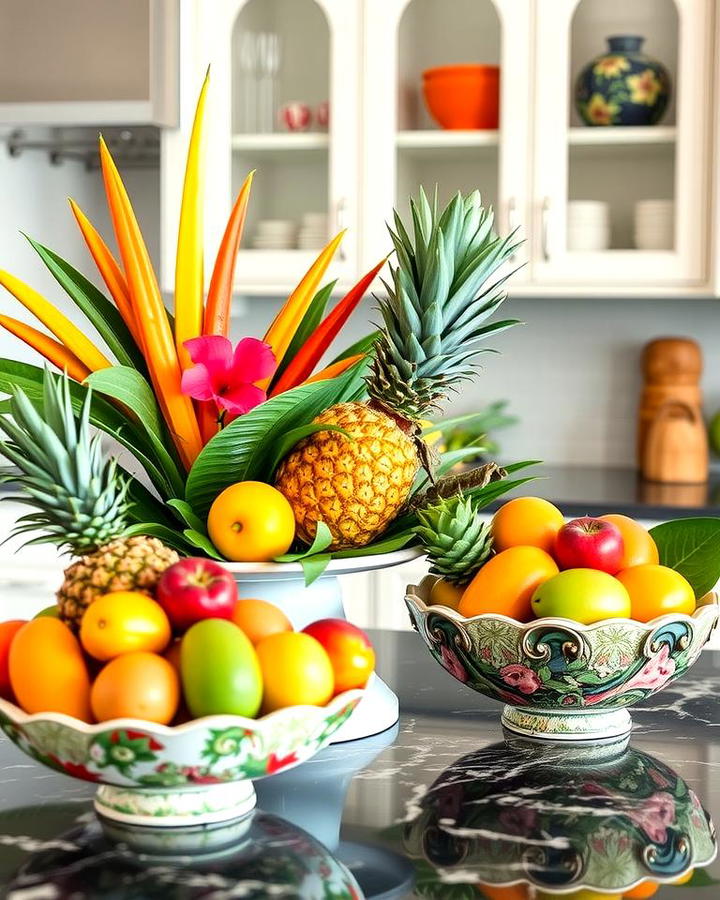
463,96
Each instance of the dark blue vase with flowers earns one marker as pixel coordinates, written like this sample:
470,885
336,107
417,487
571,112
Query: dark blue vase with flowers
623,86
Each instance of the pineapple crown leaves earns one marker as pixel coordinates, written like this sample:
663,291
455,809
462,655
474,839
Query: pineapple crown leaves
441,294
455,537
79,498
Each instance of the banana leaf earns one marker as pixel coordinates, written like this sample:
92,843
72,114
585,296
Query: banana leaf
364,345
308,324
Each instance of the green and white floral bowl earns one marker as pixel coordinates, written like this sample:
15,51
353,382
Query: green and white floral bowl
196,774
561,680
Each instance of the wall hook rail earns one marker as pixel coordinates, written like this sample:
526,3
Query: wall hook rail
131,149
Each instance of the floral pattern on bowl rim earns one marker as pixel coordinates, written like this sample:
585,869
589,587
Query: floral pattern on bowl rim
213,750
557,664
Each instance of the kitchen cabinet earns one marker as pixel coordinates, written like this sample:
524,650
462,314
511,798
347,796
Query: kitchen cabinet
88,62
367,58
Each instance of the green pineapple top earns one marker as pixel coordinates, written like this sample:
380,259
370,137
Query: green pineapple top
79,498
458,542
441,295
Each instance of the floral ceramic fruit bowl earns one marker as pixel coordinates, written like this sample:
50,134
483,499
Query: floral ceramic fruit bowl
502,816
561,680
198,773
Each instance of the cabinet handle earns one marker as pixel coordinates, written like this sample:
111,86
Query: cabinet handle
545,229
340,224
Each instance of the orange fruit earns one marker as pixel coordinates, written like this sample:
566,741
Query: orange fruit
136,686
259,619
124,622
642,891
506,583
444,593
172,654
511,892
296,670
8,630
48,671
639,547
251,522
526,522
655,591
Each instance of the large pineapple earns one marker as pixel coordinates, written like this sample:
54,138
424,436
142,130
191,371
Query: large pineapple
433,318
79,499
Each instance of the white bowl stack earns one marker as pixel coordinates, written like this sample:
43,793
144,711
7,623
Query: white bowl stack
275,234
588,225
654,225
313,234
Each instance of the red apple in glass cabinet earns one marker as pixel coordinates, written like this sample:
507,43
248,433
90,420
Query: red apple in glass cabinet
194,589
589,543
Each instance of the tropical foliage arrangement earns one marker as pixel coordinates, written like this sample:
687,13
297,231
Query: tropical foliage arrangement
343,444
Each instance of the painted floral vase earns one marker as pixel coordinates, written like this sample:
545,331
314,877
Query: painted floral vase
623,86
502,816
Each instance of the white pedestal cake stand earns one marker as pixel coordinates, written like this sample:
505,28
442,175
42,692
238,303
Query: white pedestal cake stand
283,584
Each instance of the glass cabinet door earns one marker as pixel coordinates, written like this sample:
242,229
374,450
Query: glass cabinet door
621,142
447,89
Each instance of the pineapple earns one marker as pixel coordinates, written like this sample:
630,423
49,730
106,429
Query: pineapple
456,539
79,499
441,295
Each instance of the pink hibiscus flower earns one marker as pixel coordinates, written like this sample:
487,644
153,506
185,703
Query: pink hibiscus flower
520,677
225,376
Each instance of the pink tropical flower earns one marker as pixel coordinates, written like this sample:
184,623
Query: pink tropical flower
453,664
654,815
225,376
654,674
520,677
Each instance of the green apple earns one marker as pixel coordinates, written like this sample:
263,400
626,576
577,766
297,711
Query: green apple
584,595
53,611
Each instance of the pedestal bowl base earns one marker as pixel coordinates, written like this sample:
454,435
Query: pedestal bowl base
599,733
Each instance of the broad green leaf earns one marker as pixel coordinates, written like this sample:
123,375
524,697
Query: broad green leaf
167,535
130,388
314,566
381,545
94,304
188,516
103,415
240,451
479,422
364,345
289,440
321,542
202,542
309,322
145,507
692,548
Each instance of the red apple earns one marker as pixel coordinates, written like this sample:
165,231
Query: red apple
589,543
194,589
351,654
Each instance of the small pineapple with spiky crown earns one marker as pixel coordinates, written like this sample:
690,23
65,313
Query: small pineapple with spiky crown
457,542
434,316
79,499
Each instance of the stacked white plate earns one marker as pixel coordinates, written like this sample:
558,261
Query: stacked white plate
313,234
275,234
654,224
588,225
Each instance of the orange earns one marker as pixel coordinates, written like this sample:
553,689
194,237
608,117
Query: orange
506,583
655,591
446,594
639,547
511,892
48,671
642,891
136,686
8,630
259,619
296,670
124,622
251,522
172,654
526,522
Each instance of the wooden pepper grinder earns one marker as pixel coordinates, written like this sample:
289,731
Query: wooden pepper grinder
672,441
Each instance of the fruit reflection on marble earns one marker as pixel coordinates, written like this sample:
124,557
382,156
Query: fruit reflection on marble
506,816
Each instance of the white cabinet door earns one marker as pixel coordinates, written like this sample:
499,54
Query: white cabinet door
403,148
297,173
621,165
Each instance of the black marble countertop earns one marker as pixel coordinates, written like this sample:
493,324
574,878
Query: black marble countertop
494,814
594,490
